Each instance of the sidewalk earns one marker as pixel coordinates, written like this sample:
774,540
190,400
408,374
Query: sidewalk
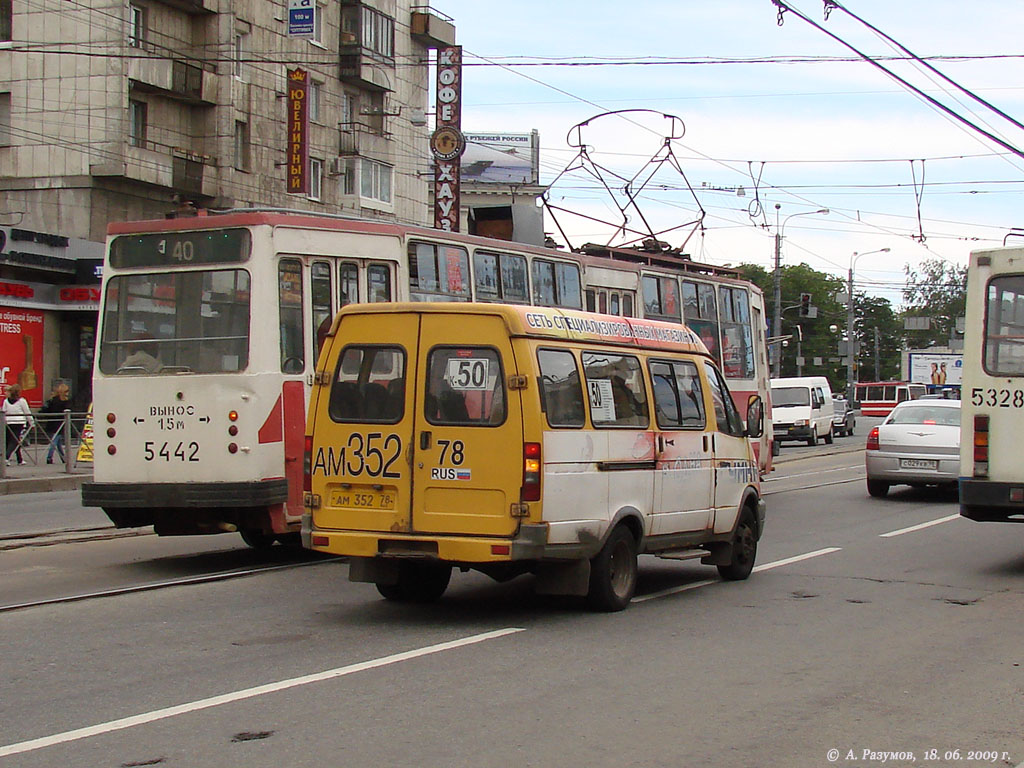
37,478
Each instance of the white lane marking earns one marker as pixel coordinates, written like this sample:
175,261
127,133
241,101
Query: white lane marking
913,528
819,472
706,582
247,693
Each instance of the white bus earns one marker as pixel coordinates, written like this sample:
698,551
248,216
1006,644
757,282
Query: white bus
209,331
992,394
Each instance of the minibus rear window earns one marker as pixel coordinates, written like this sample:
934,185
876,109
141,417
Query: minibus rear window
615,386
465,387
560,388
369,385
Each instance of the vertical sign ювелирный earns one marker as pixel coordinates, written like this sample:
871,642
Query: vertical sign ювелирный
298,132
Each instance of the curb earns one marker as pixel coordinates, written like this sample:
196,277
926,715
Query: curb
42,484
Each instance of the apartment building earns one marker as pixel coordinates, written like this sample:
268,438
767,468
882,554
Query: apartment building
114,110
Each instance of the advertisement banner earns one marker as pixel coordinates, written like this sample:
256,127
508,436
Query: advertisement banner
447,142
936,368
21,352
501,158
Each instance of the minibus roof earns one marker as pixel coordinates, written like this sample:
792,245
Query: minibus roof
554,323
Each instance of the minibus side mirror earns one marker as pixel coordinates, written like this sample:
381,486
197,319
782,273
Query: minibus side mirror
755,416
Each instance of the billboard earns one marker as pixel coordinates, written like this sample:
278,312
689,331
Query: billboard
501,158
936,368
21,352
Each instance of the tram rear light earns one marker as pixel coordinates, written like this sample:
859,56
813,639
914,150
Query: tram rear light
233,430
307,466
531,472
232,447
111,449
232,415
111,418
872,444
980,445
111,432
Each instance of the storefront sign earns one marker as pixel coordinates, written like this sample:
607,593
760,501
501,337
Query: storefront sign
21,352
46,296
447,144
298,132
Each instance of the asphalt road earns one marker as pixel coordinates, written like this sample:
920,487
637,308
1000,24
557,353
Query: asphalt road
886,625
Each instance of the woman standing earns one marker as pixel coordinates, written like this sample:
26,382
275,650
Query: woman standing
19,418
60,401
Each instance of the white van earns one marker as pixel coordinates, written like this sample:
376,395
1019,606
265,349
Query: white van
802,409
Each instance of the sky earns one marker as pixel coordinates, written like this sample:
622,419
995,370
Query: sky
767,143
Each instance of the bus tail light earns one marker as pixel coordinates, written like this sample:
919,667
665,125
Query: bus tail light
307,465
872,444
981,445
531,472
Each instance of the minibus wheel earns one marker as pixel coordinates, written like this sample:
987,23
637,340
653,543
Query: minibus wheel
744,549
828,437
418,583
613,572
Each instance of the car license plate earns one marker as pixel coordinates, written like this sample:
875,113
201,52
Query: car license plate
363,498
918,464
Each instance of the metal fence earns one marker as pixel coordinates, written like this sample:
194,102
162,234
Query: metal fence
43,441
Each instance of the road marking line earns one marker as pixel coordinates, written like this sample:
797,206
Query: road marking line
796,559
819,472
913,528
706,582
247,693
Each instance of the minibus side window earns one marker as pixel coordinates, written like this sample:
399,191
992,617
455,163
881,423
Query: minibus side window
560,388
369,385
615,387
465,387
726,415
678,399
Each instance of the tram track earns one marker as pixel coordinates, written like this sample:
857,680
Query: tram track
153,586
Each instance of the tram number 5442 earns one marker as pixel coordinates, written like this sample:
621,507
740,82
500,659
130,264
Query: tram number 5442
170,452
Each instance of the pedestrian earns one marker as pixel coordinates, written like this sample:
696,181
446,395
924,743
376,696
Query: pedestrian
60,401
19,418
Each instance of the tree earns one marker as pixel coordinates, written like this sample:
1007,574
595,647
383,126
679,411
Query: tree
938,291
880,333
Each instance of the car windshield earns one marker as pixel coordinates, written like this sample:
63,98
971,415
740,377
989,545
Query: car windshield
923,414
784,396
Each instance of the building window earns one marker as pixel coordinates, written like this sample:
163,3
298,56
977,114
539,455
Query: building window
347,112
242,158
238,53
316,178
315,92
6,20
348,178
375,180
137,123
5,119
378,33
318,24
136,26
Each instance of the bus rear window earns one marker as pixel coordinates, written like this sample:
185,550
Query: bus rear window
1003,343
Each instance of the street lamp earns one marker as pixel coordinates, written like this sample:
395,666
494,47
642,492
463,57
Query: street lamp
777,292
851,345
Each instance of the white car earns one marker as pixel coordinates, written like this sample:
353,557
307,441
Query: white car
918,444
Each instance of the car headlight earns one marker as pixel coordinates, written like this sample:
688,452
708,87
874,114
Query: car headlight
800,423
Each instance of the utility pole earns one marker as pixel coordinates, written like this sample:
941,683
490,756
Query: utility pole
777,296
878,375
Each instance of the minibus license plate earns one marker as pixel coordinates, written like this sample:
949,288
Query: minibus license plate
364,498
918,464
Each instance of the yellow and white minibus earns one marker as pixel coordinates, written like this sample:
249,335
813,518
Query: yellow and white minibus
992,393
514,439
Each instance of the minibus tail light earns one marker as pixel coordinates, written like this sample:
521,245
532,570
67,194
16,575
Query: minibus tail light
981,445
872,440
531,472
307,465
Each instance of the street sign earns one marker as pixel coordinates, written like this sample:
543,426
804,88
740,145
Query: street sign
301,18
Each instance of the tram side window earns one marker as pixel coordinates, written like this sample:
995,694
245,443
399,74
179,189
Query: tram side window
561,393
369,385
661,298
615,387
348,284
737,343
289,292
378,281
500,277
726,415
465,386
702,314
678,398
1003,351
438,272
320,293
557,284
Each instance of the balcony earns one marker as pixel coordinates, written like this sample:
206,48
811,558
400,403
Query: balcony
192,7
180,170
432,28
175,79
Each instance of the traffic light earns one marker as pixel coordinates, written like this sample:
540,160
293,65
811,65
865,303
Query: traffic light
805,304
